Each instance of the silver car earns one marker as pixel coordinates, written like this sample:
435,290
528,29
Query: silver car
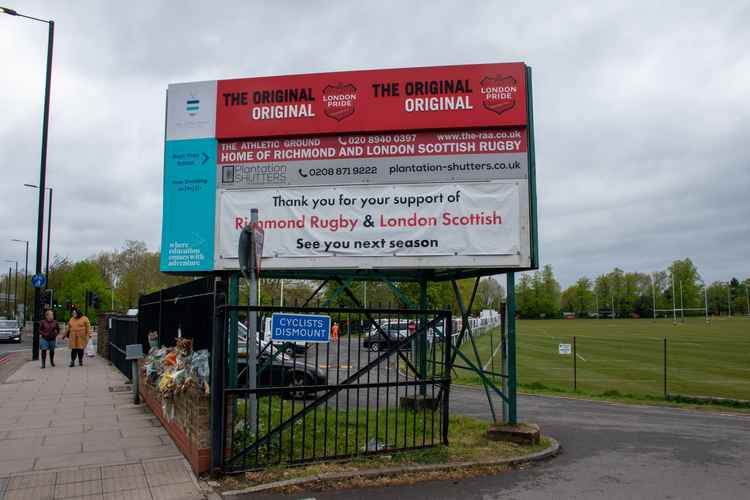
10,330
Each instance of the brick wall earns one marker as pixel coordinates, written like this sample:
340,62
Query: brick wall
187,424
102,336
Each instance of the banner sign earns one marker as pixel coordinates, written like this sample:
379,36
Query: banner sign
300,328
378,221
482,95
403,169
375,158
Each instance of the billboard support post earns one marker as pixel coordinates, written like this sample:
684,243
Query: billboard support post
422,340
234,292
252,323
512,374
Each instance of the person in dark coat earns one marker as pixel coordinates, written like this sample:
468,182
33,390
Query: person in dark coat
48,332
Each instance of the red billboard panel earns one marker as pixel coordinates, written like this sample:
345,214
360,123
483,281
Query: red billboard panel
446,97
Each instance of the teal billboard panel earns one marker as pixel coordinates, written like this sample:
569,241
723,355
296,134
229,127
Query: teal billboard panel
187,242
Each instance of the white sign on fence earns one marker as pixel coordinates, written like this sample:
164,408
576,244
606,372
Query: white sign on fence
564,349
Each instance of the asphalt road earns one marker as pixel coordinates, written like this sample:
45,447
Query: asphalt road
25,344
609,451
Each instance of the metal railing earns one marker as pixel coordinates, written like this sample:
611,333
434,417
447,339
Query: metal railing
382,390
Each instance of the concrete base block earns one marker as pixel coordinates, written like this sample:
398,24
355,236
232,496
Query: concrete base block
520,433
419,403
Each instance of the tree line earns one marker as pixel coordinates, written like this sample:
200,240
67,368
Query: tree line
631,294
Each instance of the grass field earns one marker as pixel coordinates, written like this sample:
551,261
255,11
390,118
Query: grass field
627,356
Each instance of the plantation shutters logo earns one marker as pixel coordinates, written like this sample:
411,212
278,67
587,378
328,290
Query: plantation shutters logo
192,105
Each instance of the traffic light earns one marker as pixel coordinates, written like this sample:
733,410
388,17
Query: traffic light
47,298
92,299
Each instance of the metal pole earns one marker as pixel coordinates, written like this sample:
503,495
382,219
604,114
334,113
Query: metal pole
653,295
365,301
729,300
674,310
7,291
252,326
49,230
665,369
705,300
596,297
282,292
512,368
747,300
15,295
612,304
422,340
682,304
42,187
575,367
504,354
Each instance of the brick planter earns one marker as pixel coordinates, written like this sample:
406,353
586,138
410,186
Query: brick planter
186,420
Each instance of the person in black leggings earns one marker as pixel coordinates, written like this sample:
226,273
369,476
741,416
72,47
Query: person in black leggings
78,332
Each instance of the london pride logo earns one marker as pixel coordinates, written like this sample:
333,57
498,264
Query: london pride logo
499,93
339,100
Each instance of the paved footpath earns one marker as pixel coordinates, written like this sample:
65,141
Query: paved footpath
65,434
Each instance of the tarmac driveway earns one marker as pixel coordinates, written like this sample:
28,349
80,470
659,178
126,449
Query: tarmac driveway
609,451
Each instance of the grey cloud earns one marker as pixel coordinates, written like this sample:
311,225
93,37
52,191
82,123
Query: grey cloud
641,111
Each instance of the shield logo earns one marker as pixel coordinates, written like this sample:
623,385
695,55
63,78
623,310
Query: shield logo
499,93
339,100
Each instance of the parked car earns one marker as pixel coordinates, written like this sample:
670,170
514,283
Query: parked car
283,371
396,332
289,348
10,330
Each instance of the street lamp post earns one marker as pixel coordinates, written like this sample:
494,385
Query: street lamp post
25,279
42,172
49,225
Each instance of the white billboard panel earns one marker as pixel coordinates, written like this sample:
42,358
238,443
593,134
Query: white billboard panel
380,226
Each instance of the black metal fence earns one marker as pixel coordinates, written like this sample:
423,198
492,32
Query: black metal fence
381,389
123,330
185,310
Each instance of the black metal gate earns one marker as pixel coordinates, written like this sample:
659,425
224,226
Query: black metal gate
382,386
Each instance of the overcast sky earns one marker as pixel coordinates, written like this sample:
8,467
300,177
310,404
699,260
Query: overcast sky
642,111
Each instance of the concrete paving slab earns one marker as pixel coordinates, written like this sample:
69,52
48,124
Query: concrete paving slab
38,493
79,475
31,480
110,443
122,471
78,490
8,467
143,494
162,451
115,484
81,459
181,491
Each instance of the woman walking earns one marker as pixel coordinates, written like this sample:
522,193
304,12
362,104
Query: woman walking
48,332
78,332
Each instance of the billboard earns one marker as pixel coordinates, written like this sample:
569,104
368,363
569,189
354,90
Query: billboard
386,169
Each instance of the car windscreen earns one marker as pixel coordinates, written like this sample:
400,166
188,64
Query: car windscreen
8,324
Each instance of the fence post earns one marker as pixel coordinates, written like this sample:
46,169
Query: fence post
512,367
447,367
575,366
218,359
666,395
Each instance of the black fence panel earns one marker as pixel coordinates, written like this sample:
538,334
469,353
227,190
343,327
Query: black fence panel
378,388
184,310
122,332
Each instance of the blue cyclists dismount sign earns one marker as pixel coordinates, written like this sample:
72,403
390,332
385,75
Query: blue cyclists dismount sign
38,280
300,328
